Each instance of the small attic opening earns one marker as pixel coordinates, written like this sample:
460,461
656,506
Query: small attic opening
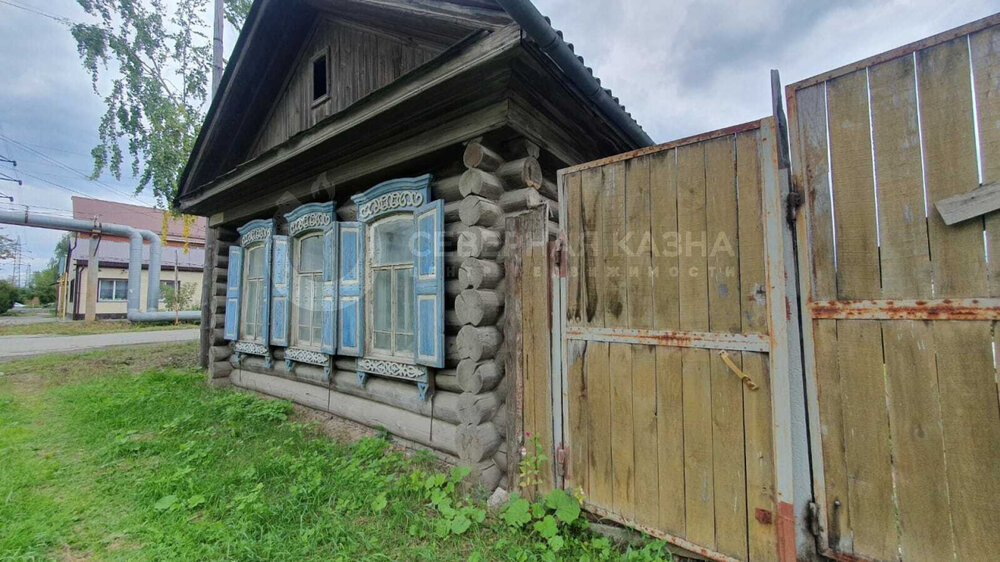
320,77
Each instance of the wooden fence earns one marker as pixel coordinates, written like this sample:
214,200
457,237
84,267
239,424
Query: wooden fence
667,309
899,307
682,290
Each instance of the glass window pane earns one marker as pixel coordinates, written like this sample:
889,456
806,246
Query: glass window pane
404,344
107,289
383,300
404,300
311,253
255,265
383,341
121,290
392,240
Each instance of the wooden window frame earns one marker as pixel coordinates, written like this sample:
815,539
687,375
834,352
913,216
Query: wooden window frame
296,286
245,292
370,269
322,53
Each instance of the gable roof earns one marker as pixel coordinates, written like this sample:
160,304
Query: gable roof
275,31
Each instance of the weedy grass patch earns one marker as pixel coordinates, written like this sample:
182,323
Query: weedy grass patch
115,455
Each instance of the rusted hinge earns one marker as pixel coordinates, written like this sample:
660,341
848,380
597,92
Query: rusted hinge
815,525
559,257
792,203
562,453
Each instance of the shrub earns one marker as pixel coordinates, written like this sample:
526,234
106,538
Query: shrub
8,294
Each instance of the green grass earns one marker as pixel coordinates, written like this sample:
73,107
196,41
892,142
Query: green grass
80,328
127,454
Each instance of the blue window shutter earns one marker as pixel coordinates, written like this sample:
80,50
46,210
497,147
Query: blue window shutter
234,282
351,309
329,343
265,313
428,273
280,291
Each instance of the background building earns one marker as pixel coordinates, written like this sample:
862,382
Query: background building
112,252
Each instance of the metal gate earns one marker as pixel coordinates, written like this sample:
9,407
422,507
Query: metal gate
900,308
676,342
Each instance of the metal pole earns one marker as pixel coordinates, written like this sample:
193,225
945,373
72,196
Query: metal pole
207,279
92,279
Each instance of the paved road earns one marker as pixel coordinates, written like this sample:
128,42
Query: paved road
20,346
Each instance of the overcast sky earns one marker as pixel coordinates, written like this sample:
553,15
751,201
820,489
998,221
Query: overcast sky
680,67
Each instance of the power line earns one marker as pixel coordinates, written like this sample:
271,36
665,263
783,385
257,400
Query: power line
66,166
60,19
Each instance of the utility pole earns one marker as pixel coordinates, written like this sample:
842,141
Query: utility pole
208,279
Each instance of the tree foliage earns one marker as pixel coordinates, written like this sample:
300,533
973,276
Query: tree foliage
157,66
8,247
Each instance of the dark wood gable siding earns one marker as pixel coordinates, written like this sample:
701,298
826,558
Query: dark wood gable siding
361,61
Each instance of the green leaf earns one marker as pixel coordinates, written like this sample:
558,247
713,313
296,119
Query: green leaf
165,503
537,510
477,515
442,527
196,501
460,524
556,543
517,513
459,473
380,502
547,527
566,507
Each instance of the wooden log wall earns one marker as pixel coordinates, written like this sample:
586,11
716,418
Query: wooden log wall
219,350
468,415
499,182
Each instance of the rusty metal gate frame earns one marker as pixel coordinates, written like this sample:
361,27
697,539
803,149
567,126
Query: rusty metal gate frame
782,343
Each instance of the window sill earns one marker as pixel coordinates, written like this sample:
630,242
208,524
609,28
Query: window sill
391,359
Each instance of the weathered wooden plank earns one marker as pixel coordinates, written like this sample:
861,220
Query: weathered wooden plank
615,294
644,412
638,259
905,262
620,355
728,461
664,235
979,202
514,340
918,445
985,53
853,185
640,315
722,236
810,107
599,467
670,439
579,416
534,280
753,281
971,421
576,238
869,466
699,491
592,199
834,432
950,166
696,366
759,454
622,430
666,316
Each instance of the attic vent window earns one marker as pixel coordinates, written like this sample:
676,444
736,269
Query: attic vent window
320,78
